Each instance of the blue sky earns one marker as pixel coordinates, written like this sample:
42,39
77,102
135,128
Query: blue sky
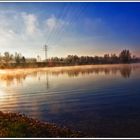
69,28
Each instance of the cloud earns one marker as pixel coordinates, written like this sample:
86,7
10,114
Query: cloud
53,23
18,32
31,23
55,29
22,31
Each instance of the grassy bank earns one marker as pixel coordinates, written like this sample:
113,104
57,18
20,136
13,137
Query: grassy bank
17,125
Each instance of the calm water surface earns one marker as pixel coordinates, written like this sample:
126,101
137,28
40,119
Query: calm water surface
101,101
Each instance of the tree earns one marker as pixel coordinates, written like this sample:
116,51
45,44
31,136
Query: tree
17,58
125,56
106,58
23,60
7,57
114,58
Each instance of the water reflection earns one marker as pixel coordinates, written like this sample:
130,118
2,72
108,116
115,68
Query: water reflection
47,81
18,76
126,71
62,95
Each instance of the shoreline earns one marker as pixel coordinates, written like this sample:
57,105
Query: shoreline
19,125
67,66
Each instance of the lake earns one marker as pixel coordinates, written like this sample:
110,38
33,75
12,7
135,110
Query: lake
99,100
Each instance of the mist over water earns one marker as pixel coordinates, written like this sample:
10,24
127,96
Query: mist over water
100,100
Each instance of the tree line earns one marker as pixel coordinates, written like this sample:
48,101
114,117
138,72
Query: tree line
125,56
18,60
10,58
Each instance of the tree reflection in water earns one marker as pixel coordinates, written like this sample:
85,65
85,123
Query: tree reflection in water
19,76
126,71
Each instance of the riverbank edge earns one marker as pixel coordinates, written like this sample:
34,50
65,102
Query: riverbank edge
66,66
17,125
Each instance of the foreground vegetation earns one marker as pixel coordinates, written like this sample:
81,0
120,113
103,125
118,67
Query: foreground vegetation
8,60
17,125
